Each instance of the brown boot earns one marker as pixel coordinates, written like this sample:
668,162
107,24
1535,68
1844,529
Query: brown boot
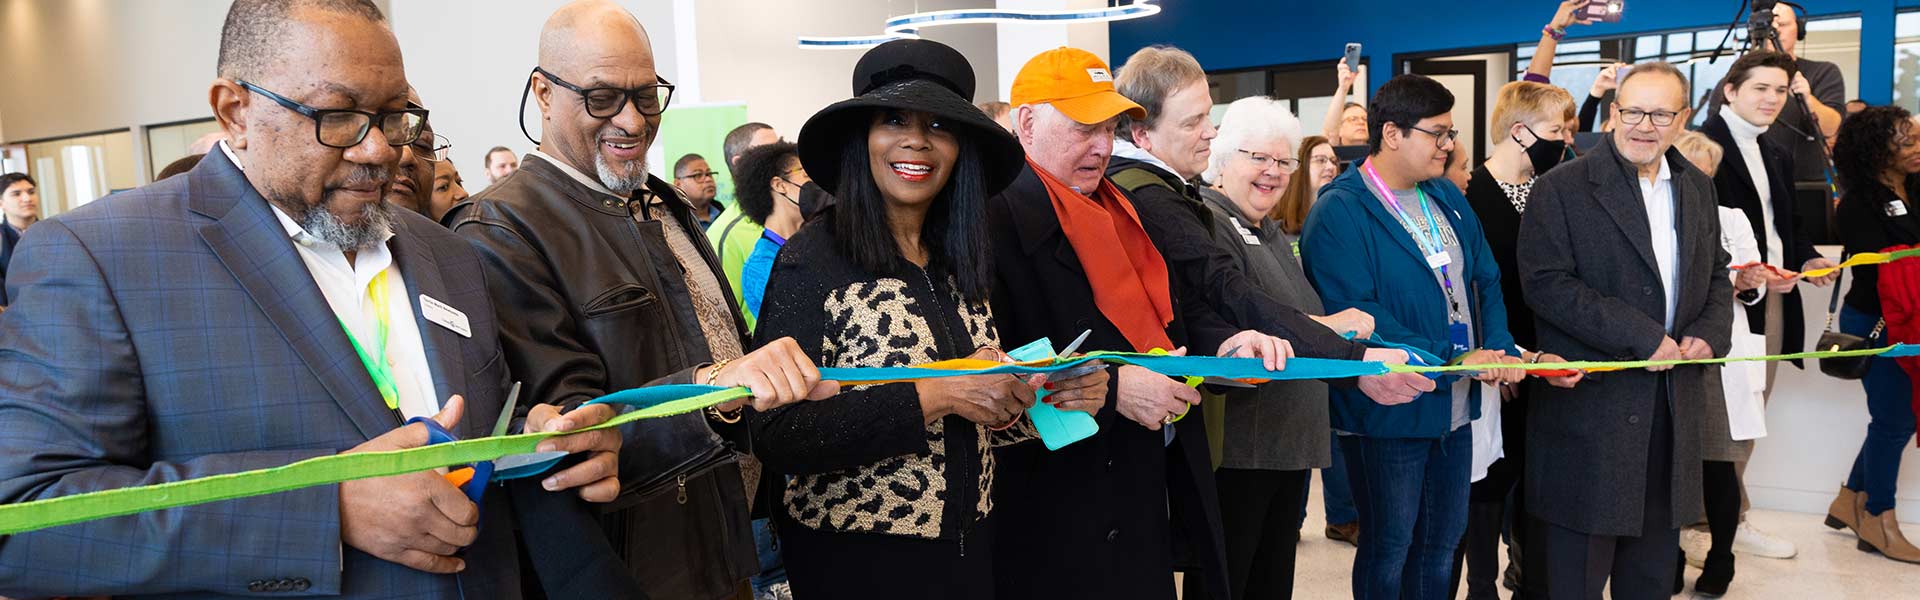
1844,513
1881,533
1344,532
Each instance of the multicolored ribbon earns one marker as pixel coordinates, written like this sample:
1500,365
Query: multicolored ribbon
661,401
1861,259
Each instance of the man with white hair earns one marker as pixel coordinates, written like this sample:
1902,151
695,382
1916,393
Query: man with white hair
1064,233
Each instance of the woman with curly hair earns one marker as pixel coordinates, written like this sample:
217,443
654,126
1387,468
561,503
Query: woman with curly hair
1877,155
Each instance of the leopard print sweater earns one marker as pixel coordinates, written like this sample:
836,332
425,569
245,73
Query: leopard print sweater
856,470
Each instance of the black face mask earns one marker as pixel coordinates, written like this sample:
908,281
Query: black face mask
812,199
1544,154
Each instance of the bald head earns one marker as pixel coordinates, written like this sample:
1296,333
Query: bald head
589,31
594,44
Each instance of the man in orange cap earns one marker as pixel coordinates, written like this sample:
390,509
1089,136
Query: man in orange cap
1092,519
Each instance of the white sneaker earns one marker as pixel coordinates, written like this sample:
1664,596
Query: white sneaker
1695,544
1750,540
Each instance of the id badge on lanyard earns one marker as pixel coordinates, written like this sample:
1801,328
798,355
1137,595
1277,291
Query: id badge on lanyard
1458,335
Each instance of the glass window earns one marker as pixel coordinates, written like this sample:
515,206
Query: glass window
168,143
1906,59
1647,47
77,170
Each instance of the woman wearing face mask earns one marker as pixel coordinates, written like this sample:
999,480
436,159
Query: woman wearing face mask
1530,121
766,183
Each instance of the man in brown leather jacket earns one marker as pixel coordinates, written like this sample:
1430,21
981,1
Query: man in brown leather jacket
604,282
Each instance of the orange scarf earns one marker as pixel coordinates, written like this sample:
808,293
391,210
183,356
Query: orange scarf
1129,286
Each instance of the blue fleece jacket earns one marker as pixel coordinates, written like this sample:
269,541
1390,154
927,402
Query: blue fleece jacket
1358,255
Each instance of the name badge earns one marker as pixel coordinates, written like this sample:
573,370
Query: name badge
1439,259
1246,235
1896,208
439,313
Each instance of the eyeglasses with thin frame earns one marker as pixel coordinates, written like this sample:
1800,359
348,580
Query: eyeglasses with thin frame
433,149
1263,160
1323,161
708,174
346,128
605,102
1440,138
1633,116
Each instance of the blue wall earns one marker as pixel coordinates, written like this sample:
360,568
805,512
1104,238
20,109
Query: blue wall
1229,34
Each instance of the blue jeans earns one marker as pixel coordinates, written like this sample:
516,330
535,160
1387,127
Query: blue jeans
1412,499
772,569
1336,494
1876,470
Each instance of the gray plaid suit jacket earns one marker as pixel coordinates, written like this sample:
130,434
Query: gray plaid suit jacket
172,332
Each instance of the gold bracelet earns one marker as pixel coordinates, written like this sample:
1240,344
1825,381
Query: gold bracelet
713,412
714,374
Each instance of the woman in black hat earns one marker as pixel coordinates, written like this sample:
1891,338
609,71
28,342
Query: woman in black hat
889,485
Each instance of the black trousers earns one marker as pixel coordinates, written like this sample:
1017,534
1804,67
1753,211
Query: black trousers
1580,565
1260,510
1720,485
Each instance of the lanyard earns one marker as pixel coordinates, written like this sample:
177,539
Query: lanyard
1435,246
377,366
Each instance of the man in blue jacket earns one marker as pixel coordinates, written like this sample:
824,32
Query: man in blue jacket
1395,239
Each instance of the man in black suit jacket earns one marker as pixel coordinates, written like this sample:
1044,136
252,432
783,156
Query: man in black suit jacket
1620,257
1756,176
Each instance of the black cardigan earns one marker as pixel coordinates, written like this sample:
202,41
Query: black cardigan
865,460
1502,226
1865,227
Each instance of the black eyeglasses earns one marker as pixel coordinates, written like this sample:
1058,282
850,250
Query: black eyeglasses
605,102
346,128
1633,116
1440,138
699,175
433,148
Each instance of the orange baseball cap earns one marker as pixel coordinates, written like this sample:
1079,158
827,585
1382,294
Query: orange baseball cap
1074,81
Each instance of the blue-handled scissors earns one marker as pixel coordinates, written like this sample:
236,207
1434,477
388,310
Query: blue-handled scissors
473,480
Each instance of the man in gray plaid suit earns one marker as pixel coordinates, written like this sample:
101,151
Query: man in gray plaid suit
266,308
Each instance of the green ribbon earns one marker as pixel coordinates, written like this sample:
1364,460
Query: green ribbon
78,508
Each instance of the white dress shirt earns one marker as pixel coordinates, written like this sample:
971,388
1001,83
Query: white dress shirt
1747,137
345,284
1658,196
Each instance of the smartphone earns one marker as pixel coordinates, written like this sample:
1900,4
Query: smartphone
1605,11
1353,57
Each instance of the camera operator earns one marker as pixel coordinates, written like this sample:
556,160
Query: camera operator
1821,81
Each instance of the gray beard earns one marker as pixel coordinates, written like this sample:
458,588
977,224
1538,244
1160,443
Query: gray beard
624,186
376,221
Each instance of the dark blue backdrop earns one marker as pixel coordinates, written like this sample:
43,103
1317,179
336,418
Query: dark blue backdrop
1228,34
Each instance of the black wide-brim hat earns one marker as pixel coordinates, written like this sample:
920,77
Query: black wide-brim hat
916,75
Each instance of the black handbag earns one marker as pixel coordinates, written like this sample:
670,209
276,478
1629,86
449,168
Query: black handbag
1831,340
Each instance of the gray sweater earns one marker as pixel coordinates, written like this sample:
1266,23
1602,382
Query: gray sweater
1281,425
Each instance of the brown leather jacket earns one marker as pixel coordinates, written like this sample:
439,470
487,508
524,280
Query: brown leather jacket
591,301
